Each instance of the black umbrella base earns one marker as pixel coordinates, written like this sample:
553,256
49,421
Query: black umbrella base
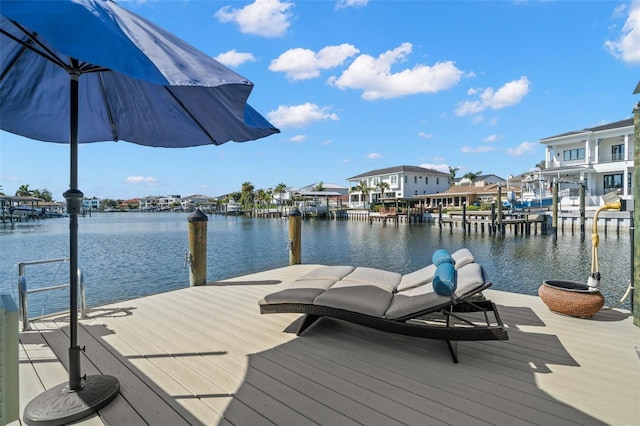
59,405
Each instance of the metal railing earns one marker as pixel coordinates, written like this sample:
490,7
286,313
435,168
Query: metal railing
23,292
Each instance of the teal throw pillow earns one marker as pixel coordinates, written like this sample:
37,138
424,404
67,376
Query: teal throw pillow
445,279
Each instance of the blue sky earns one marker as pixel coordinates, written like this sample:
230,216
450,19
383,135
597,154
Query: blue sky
356,85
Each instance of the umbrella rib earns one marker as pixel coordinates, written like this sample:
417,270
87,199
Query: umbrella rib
47,54
186,110
114,132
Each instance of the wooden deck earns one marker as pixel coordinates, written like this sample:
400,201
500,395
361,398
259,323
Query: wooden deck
205,355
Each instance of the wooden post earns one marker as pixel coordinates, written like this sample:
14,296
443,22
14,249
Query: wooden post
582,209
554,220
440,215
295,237
635,297
464,216
500,225
197,256
493,218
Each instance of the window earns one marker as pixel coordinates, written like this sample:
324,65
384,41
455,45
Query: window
612,182
426,180
574,154
437,181
393,179
415,179
405,179
617,153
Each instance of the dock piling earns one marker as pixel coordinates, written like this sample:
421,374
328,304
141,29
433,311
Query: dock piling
197,256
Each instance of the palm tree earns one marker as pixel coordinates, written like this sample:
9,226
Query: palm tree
262,197
319,187
363,189
24,191
541,165
280,189
246,195
382,186
452,174
472,176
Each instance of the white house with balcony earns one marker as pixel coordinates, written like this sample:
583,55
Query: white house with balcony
403,182
601,158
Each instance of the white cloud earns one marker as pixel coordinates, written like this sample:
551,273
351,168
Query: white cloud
9,178
493,138
300,115
508,95
522,149
440,167
141,179
425,135
375,78
342,4
474,150
267,18
234,59
298,138
374,156
326,142
303,64
627,46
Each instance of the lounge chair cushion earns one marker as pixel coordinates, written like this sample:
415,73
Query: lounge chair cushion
378,277
301,291
417,299
469,278
334,273
417,278
425,275
445,279
356,297
462,257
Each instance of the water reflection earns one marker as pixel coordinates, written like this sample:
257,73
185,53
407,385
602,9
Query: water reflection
129,255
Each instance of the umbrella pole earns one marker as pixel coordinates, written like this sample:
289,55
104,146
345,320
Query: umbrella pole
81,396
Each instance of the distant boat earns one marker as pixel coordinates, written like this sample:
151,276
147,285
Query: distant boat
313,208
233,208
529,200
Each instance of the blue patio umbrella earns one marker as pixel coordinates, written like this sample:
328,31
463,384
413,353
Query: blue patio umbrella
80,71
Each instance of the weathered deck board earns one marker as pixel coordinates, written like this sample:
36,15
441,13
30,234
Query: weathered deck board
206,356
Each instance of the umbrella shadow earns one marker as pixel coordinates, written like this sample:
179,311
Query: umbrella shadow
343,372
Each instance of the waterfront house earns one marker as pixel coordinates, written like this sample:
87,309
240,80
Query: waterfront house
205,202
600,158
479,194
403,182
91,203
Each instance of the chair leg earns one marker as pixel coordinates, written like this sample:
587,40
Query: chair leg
453,349
307,321
451,344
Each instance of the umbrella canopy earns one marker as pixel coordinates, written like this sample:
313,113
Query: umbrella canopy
79,71
139,83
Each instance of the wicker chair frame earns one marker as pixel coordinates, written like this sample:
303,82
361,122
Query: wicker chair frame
446,322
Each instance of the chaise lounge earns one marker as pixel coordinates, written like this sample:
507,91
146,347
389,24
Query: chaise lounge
441,301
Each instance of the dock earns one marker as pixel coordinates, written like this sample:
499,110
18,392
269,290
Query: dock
485,221
205,356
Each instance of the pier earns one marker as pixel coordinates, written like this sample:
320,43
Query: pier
486,221
205,356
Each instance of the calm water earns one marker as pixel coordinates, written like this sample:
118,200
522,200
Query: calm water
128,255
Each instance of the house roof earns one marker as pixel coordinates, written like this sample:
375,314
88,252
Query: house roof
399,169
615,125
480,178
